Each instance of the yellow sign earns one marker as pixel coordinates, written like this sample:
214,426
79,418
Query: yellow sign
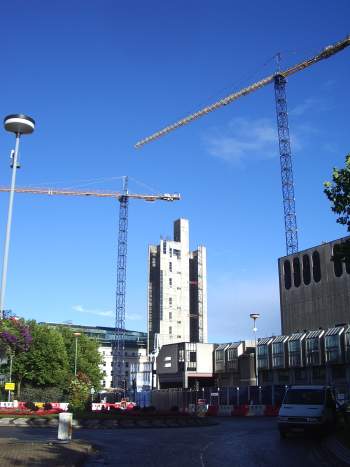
9,386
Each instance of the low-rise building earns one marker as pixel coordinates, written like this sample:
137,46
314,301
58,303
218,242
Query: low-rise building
185,365
234,364
309,357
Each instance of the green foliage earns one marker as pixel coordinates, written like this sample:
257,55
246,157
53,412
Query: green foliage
46,371
88,356
45,394
46,363
338,193
79,393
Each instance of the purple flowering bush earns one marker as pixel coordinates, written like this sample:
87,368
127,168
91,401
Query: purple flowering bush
14,335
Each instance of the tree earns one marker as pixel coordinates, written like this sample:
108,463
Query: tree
89,358
46,362
338,193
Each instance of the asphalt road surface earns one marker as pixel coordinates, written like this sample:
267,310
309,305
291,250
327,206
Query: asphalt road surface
234,442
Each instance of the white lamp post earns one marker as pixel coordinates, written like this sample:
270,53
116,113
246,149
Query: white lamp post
20,125
254,317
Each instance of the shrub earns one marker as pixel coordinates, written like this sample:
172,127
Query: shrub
47,394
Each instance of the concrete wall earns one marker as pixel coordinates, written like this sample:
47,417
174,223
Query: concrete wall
318,304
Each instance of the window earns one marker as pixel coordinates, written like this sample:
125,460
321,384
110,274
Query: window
167,365
170,330
287,275
337,263
306,270
177,253
296,272
153,262
332,348
170,282
170,252
170,301
164,248
316,266
170,315
193,356
127,364
170,266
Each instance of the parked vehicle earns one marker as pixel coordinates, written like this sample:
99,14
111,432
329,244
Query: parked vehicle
307,408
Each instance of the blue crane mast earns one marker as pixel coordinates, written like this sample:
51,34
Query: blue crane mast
290,219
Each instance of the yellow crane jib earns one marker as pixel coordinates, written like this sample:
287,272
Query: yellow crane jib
325,53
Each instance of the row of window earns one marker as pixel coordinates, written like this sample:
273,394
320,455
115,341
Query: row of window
302,271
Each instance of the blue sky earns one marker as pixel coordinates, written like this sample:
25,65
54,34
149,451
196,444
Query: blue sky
99,75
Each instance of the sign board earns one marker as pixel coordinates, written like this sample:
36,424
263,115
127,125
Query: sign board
9,386
92,391
214,394
201,402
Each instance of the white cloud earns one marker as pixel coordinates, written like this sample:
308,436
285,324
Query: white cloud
231,300
244,138
308,104
81,309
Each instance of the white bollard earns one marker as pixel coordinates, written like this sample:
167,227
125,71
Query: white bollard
65,420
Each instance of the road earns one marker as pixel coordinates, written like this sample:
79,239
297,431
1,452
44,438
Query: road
238,442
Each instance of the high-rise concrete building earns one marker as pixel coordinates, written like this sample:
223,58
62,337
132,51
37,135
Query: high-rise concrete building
177,291
314,289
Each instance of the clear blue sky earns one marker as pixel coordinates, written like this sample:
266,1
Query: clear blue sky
99,75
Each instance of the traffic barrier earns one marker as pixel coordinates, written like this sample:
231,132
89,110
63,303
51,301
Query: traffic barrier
225,410
256,410
271,410
212,410
240,410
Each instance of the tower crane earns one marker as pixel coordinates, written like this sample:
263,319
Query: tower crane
279,80
123,198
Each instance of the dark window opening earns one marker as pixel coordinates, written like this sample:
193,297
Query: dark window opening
287,274
296,271
316,266
337,263
306,270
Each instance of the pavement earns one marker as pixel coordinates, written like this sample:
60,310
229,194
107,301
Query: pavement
242,442
16,452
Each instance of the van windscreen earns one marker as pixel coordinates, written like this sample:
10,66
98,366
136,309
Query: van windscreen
304,397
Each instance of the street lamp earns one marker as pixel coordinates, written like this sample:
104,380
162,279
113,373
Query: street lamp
20,125
254,317
76,335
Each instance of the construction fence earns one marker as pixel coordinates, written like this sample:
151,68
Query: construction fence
253,400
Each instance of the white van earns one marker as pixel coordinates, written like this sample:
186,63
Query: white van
307,408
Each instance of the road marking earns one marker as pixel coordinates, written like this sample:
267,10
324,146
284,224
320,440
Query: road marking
201,454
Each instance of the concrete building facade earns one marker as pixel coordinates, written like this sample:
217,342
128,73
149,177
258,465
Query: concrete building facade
177,291
314,290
